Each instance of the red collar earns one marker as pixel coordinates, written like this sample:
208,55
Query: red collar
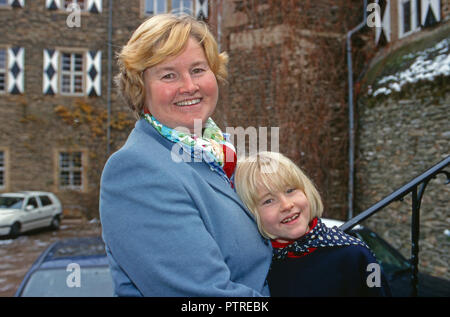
277,244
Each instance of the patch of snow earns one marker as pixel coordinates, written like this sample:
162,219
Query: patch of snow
382,90
4,242
427,65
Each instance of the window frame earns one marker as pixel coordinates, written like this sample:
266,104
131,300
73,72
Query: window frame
72,72
181,9
155,7
168,5
413,16
71,169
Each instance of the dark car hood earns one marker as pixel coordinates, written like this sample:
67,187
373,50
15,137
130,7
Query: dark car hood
429,286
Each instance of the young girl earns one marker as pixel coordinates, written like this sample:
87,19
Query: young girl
309,259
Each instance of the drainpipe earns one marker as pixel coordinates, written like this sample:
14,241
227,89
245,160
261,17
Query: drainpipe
108,102
351,151
219,24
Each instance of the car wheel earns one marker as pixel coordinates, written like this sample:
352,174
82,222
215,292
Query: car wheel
55,223
15,230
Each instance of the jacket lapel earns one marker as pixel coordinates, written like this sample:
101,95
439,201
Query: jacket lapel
218,183
202,168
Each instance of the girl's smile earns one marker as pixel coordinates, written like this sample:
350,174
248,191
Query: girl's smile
284,215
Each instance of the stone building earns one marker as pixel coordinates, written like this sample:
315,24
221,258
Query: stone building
403,127
54,93
288,70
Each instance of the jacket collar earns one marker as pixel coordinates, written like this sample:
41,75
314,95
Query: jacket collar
202,168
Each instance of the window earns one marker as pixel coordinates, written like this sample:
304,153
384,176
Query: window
70,170
408,16
3,71
72,74
155,7
190,7
182,6
33,202
45,201
80,3
2,169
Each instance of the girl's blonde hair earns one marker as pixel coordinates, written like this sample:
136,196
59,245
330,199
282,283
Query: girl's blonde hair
275,172
158,38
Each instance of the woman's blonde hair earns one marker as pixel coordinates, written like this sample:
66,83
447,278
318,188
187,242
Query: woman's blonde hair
275,172
158,38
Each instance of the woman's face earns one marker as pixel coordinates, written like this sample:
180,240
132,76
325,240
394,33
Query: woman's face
284,215
182,88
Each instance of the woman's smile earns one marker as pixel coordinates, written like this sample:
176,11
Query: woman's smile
182,89
189,102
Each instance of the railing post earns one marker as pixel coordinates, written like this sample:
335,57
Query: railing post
415,231
410,187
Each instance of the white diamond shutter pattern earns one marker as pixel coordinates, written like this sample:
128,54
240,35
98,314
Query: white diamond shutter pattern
93,6
93,73
201,9
50,80
16,70
92,76
53,4
385,18
430,12
16,3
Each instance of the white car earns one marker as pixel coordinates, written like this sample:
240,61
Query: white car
28,210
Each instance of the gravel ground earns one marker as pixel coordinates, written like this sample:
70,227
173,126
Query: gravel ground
17,255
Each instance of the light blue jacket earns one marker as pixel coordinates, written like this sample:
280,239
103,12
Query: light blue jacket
176,229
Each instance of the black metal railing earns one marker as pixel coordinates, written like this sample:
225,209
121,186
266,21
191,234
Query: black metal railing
417,188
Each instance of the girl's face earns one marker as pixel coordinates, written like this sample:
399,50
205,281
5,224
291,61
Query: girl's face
182,89
285,215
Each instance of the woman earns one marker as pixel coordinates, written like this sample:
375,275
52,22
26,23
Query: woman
172,222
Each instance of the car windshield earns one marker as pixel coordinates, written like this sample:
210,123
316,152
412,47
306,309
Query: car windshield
11,202
57,282
391,261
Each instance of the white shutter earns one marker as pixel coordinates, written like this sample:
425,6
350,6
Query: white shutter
201,9
93,73
385,23
94,6
17,3
16,70
53,4
434,6
50,77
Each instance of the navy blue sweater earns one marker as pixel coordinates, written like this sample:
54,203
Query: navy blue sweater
338,271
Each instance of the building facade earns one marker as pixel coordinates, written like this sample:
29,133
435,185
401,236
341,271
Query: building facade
287,70
54,93
403,127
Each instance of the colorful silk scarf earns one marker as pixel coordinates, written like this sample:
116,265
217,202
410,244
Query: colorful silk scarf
319,237
213,147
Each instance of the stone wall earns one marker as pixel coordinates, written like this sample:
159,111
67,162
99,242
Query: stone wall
445,10
33,126
399,137
286,70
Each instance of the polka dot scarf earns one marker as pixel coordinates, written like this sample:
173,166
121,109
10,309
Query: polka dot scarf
213,147
318,237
